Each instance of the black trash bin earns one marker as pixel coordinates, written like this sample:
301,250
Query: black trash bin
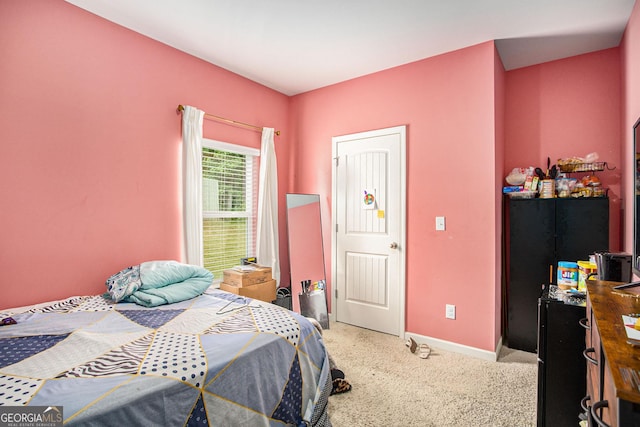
283,298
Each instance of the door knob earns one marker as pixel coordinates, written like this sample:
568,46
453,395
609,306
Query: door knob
393,245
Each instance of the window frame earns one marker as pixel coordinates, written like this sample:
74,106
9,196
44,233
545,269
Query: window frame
251,183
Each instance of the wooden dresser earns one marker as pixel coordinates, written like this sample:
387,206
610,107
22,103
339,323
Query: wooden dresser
613,365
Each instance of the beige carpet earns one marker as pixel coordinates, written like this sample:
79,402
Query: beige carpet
393,387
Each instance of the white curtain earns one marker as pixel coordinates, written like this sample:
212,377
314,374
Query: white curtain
267,250
192,182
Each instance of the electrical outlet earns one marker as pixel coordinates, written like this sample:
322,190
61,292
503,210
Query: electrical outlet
450,311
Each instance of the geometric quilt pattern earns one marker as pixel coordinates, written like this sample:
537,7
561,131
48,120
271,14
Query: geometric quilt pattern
176,356
153,319
281,323
16,390
253,364
292,396
123,360
198,416
240,321
16,349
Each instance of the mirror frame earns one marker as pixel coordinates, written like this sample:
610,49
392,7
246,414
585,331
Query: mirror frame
636,199
294,200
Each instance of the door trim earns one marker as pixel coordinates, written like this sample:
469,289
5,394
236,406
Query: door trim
402,130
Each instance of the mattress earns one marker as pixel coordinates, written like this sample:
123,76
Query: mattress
217,359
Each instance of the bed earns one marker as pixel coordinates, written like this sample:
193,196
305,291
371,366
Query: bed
217,359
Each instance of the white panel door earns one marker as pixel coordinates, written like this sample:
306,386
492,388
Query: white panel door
369,223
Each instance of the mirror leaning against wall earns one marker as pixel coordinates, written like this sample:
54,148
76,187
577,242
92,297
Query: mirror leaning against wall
306,257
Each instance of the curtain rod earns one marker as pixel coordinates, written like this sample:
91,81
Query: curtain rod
222,119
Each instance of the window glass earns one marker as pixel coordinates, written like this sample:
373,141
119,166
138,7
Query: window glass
229,204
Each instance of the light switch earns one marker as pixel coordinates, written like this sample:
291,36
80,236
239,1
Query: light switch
440,223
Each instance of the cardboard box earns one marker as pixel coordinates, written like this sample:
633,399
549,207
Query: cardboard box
247,278
265,291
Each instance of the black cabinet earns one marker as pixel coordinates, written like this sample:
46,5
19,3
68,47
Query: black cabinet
540,233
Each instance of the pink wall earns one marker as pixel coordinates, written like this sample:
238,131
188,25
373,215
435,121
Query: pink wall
448,104
469,123
630,59
566,108
90,146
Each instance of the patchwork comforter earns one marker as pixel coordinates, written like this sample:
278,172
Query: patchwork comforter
217,359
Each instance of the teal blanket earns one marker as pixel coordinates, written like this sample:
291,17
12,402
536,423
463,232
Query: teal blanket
155,283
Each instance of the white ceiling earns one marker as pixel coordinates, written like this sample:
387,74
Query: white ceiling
294,46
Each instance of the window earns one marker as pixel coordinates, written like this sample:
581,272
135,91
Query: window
229,204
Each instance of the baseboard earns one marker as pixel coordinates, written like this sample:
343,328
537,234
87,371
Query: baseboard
498,348
451,346
436,343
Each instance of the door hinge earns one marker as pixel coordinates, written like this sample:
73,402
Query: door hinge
337,159
336,228
336,293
